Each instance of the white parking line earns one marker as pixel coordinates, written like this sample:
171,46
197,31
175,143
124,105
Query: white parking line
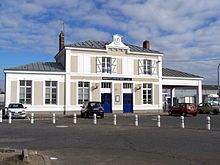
62,126
53,158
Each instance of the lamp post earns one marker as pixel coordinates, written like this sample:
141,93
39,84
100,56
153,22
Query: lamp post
218,84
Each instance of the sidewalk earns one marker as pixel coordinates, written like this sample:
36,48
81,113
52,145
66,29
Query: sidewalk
22,157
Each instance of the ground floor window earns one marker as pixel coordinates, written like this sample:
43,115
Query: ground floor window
127,85
51,92
147,93
106,85
83,92
25,94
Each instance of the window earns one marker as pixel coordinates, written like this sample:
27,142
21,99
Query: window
147,93
83,92
145,66
106,65
127,85
25,94
51,92
106,85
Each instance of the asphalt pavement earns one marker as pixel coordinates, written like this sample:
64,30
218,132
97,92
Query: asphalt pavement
67,143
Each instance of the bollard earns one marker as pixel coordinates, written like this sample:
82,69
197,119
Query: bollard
9,118
74,118
32,118
0,116
158,121
208,126
54,118
95,119
182,122
115,119
136,120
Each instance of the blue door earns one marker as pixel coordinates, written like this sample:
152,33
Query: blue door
107,102
127,103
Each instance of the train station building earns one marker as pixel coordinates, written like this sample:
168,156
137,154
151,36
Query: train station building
125,78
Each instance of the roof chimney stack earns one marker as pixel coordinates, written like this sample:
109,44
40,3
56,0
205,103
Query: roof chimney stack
146,44
61,40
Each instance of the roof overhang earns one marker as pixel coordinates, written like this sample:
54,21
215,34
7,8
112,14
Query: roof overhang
181,81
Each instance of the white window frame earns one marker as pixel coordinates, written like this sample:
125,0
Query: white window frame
83,88
145,66
25,87
51,87
147,91
106,65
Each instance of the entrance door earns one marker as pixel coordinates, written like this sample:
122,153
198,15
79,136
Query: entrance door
107,102
127,103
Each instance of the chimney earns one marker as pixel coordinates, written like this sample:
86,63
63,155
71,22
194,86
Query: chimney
61,40
146,44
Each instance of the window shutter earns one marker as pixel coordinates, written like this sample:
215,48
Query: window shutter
154,67
140,67
99,64
113,65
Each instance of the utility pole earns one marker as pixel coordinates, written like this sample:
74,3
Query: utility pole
218,85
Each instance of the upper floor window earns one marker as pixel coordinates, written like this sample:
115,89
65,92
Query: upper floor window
147,67
51,92
25,94
147,93
106,65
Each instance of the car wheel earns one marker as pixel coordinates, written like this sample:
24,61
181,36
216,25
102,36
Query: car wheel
170,113
82,115
200,111
102,116
194,114
86,115
215,111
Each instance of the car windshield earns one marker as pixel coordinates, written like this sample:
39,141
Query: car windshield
95,104
15,106
184,105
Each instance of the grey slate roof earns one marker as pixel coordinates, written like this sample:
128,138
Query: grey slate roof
210,87
166,72
40,66
102,45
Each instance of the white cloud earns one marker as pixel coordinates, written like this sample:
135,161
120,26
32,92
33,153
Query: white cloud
183,30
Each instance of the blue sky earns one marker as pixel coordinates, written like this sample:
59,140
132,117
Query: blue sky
187,32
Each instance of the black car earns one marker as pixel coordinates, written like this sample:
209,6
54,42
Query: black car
92,107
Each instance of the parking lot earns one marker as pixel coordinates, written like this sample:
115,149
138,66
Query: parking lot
124,143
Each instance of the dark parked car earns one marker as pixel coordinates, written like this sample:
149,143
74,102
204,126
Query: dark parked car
183,109
92,107
208,108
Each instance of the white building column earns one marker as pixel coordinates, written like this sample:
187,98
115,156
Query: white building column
172,95
199,92
159,66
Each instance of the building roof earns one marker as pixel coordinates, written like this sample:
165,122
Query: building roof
40,66
166,72
210,87
102,45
